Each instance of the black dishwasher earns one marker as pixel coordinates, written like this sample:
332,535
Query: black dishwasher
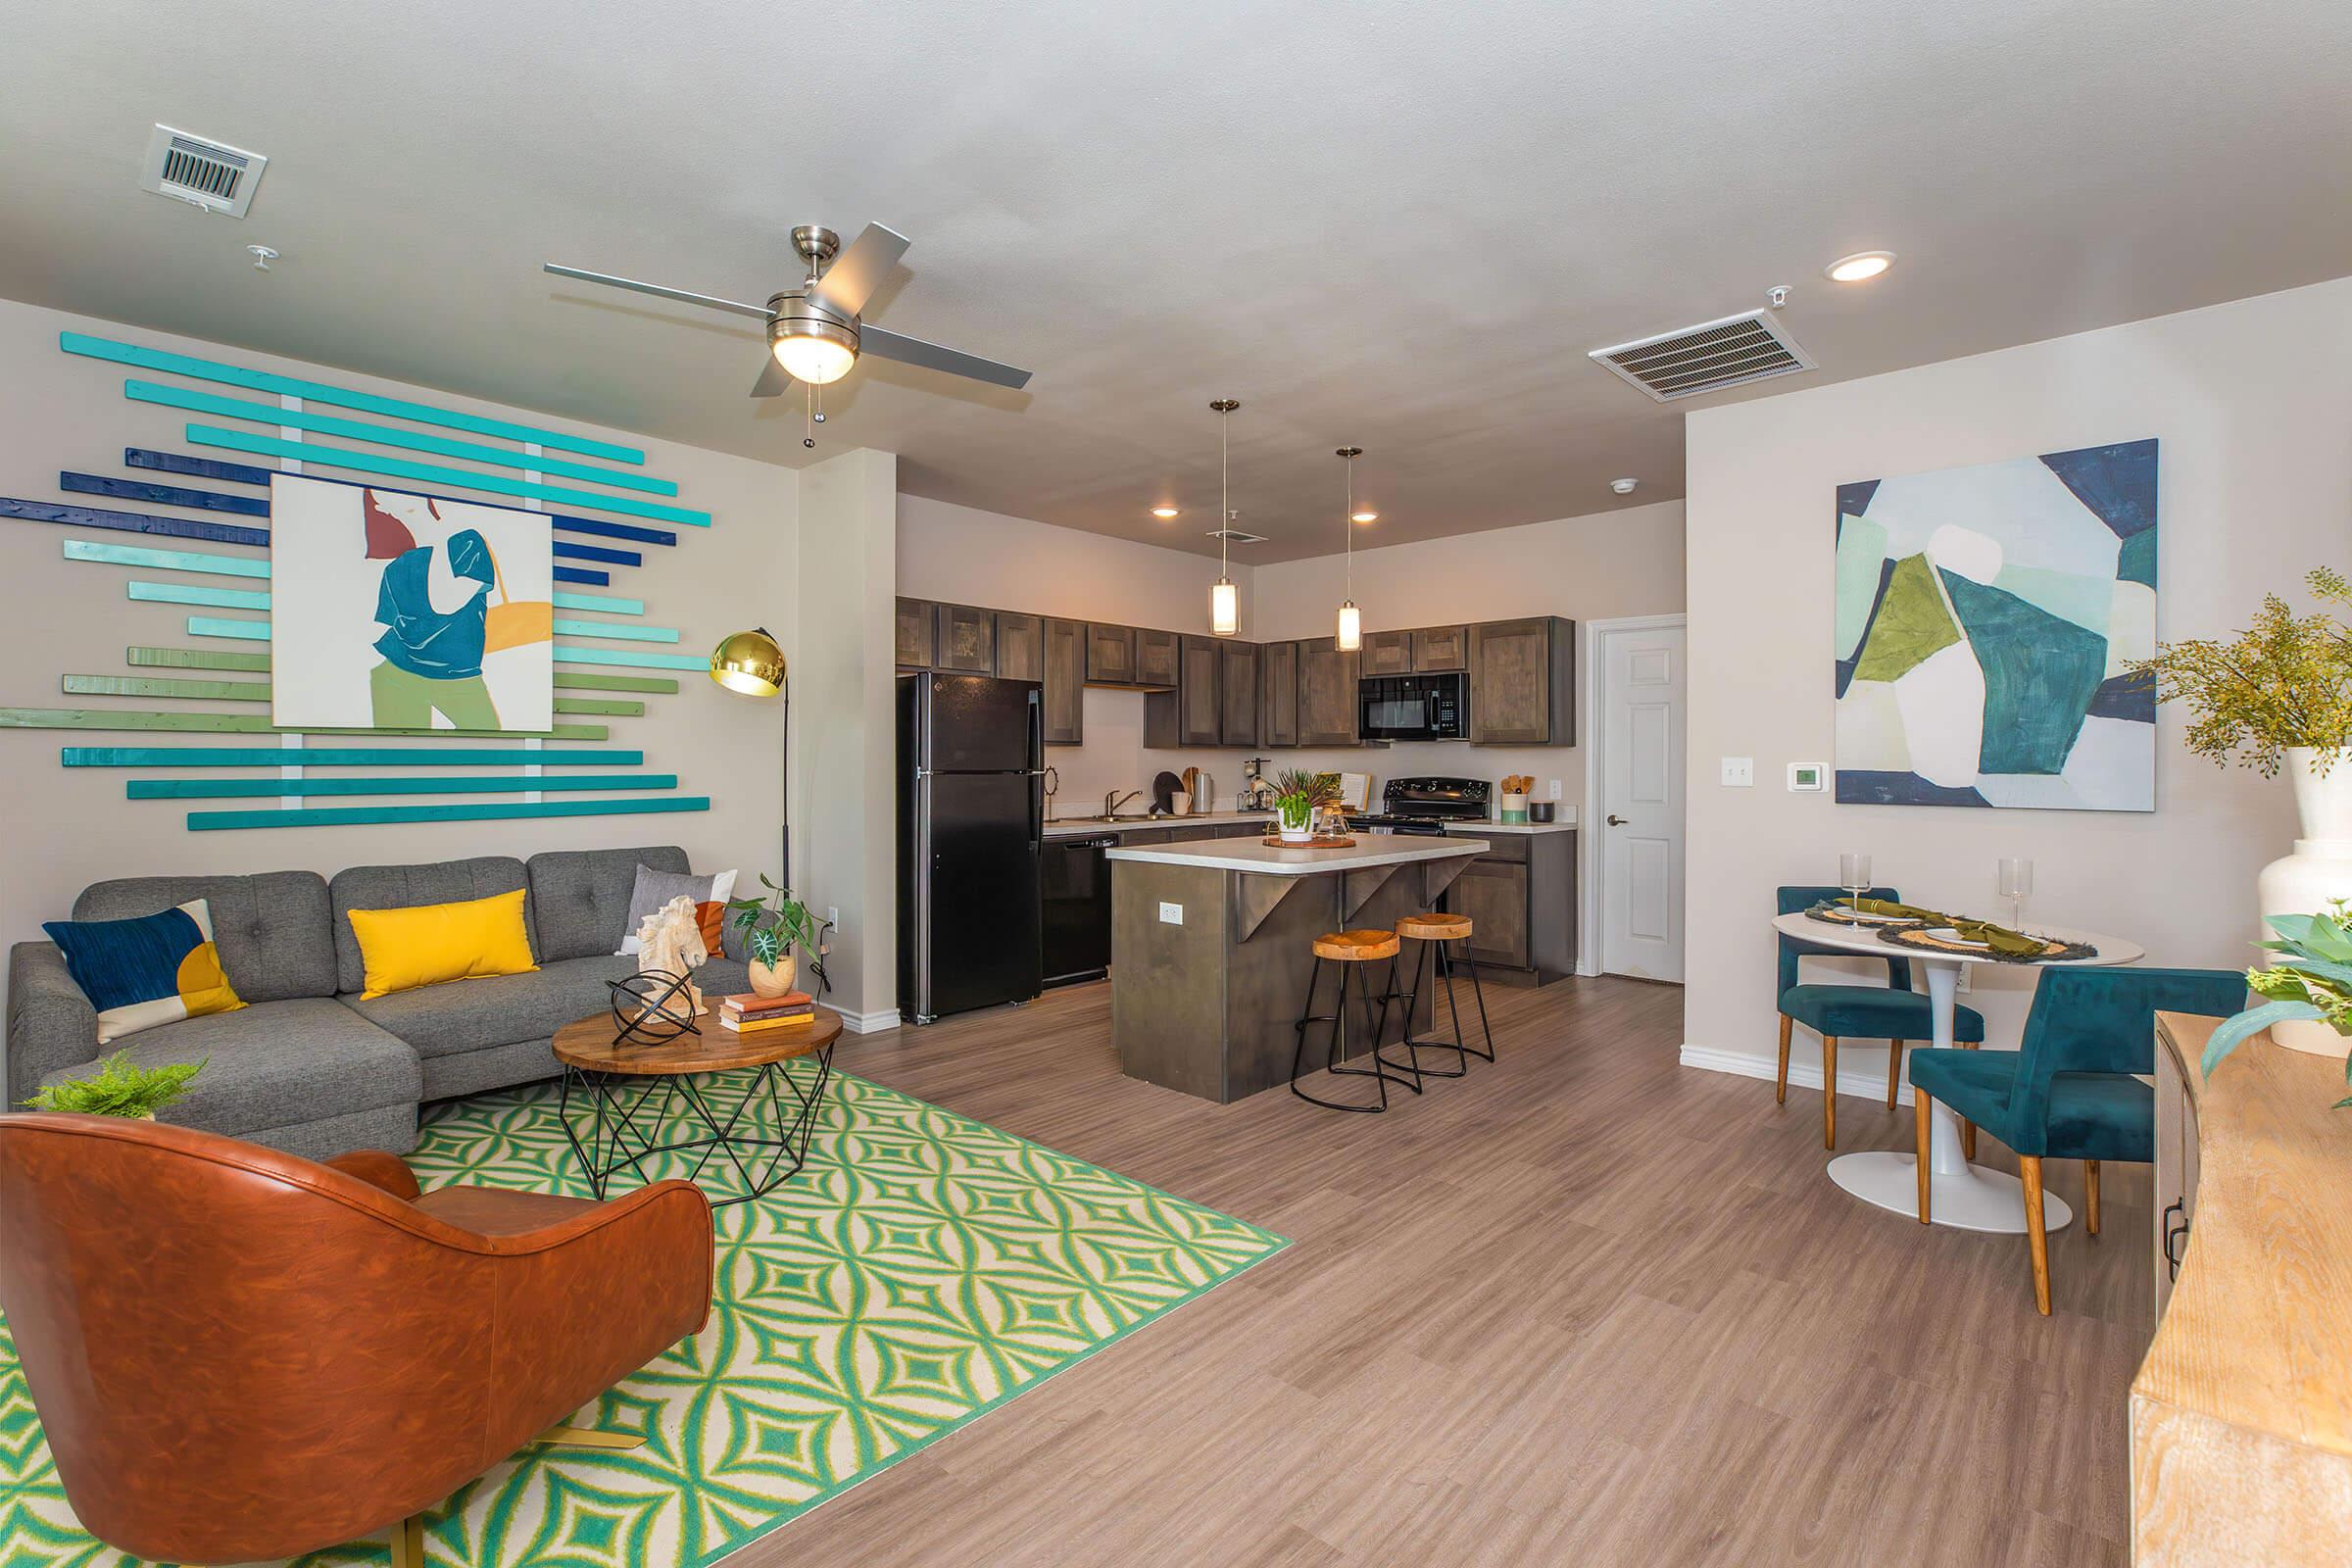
1076,914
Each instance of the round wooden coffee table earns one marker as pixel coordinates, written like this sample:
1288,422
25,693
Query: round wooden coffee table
630,1092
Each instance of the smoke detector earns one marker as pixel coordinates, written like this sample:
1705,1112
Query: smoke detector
1706,357
201,172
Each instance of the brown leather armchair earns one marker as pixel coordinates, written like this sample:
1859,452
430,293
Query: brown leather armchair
238,1354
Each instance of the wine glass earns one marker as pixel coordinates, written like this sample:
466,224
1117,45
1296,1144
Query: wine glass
2013,879
1853,875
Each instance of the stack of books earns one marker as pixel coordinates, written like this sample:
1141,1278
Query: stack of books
750,1012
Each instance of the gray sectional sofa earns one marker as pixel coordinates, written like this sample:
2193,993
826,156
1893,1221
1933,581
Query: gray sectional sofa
308,1066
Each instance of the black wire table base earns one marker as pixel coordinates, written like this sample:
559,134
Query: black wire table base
622,1133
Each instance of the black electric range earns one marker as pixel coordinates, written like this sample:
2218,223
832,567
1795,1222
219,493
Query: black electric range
1423,806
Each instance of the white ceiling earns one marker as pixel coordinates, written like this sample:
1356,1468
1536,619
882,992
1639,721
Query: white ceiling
1388,223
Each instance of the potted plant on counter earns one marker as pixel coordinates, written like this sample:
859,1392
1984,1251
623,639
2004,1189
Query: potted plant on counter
2280,696
2308,985
1297,796
773,927
119,1088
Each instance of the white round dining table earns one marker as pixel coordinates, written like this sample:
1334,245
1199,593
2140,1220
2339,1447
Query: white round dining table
1966,1196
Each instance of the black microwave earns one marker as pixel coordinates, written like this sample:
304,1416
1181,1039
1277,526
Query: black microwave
1413,707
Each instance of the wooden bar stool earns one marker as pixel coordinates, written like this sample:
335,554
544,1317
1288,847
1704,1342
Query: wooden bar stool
1436,932
1351,951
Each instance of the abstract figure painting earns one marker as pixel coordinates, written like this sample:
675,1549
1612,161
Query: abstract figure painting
392,611
1985,616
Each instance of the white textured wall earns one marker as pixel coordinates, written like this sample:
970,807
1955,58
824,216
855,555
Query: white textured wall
68,828
2252,403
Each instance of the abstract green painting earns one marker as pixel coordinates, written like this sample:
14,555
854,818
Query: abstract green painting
1985,616
920,1271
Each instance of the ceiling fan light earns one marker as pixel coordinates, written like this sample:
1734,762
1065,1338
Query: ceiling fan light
814,360
750,662
1352,627
1224,610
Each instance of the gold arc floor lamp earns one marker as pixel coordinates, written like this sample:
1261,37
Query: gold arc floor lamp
750,663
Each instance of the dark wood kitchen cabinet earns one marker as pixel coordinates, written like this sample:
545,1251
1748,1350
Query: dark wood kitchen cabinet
1020,646
965,640
1066,682
1440,650
1109,654
1186,715
1327,681
1521,900
1278,695
1523,682
1236,700
914,634
1158,659
1388,653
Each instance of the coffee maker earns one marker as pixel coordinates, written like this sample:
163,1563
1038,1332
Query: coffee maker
1256,795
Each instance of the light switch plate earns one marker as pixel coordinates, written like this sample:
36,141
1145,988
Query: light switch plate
1556,789
1171,915
1739,772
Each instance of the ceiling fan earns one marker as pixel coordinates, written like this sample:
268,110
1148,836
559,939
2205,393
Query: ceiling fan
813,331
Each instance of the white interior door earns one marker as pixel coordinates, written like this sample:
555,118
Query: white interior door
1639,813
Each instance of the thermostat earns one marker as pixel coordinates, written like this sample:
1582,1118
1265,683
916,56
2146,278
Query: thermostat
1807,776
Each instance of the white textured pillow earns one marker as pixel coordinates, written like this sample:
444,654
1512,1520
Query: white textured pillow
655,887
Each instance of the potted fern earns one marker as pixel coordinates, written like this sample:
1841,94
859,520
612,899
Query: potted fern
2278,698
773,926
119,1088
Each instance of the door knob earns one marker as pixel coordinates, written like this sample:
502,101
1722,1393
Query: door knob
1616,821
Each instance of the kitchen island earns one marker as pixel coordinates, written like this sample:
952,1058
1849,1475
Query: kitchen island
1209,956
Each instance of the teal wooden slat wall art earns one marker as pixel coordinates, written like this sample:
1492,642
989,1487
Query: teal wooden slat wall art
609,663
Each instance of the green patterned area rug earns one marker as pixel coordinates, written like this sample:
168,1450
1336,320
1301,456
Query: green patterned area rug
921,1270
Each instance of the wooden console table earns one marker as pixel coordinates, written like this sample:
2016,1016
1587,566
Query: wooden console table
2241,1414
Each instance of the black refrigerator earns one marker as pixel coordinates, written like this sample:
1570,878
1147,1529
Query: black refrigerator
972,833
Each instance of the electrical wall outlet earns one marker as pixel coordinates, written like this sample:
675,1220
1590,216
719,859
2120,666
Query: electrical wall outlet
1171,915
1739,772
1556,789
833,915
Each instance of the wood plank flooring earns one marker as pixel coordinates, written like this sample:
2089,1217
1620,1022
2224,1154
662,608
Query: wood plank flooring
1584,1307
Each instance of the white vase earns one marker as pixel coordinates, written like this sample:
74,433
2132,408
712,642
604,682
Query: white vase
2317,872
1299,834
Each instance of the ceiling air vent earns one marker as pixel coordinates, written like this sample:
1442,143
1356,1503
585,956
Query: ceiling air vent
211,174
1235,536
1709,357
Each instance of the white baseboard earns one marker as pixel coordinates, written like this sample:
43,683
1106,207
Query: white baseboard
866,1023
1804,1067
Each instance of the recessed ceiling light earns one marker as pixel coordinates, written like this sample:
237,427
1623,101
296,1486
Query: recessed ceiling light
1365,515
1860,266
1163,513
1624,488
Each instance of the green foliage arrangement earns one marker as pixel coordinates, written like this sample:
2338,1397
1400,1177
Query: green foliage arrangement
122,1088
1297,793
2312,982
2286,680
773,925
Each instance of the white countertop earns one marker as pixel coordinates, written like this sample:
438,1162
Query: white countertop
1070,827
1274,859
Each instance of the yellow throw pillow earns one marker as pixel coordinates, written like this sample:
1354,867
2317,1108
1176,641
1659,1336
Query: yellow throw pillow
431,942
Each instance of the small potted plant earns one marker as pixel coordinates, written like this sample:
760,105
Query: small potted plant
773,927
119,1088
1297,796
2280,695
2308,983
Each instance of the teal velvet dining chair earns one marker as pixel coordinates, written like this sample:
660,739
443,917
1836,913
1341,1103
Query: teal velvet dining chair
1893,1012
2068,1090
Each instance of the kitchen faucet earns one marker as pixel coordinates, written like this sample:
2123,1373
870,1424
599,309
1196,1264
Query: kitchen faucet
1112,800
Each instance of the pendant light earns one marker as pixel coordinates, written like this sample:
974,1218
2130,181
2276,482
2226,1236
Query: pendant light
1224,600
1352,621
